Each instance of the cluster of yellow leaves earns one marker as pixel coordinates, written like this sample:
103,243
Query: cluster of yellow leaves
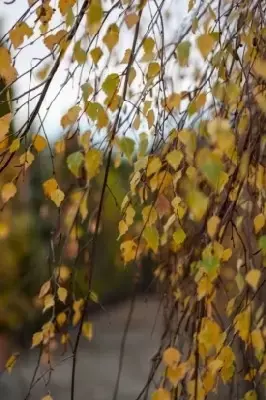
176,370
51,190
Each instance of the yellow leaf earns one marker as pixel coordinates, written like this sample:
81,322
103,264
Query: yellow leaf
111,37
76,318
37,339
43,72
191,388
179,236
153,70
176,374
78,305
209,380
26,159
150,118
47,397
220,131
149,215
200,101
48,302
44,12
49,186
212,225
128,250
183,51
257,340
250,395
60,146
242,324
227,356
45,288
11,362
259,222
63,273
174,158
17,34
70,117
253,277
210,333
122,228
198,204
79,54
215,365
259,67
153,166
172,101
57,197
151,236
227,253
161,394
96,54
61,318
4,125
171,357
62,294
205,44
65,5
15,145
205,287
94,16
58,39
126,57
8,191
93,162
87,330
136,122
260,97
7,71
131,20
39,142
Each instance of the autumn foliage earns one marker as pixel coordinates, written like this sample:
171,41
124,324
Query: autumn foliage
186,111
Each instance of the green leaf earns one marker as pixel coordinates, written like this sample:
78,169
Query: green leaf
174,158
93,110
179,236
262,244
74,162
183,51
127,146
151,236
111,37
111,84
95,12
210,264
153,70
79,54
96,54
93,162
87,90
143,145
